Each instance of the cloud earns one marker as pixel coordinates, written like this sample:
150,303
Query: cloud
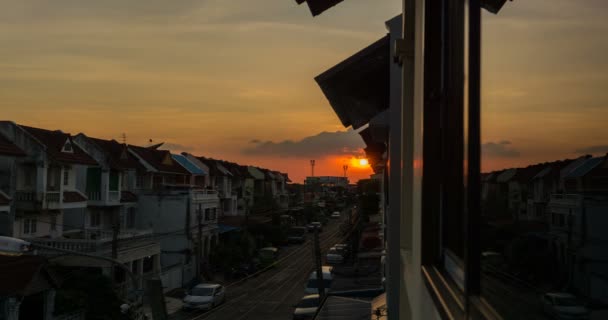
176,147
500,149
594,149
320,145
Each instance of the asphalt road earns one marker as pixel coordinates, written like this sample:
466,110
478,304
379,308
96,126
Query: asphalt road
512,301
272,294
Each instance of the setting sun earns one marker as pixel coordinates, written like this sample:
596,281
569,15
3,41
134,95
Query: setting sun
363,162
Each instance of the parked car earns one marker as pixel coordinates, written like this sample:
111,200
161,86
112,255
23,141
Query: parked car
312,285
204,296
307,307
296,235
317,225
268,255
334,256
336,215
343,249
561,305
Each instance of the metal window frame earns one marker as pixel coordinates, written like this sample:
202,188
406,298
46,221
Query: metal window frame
444,45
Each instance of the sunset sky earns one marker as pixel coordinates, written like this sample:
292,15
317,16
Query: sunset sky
234,79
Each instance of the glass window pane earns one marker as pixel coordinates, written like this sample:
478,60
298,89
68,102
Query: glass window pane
544,187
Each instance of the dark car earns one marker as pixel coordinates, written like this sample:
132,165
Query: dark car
296,235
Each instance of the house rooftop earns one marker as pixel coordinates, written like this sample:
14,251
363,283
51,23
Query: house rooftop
24,275
160,160
188,165
585,167
117,153
7,148
59,146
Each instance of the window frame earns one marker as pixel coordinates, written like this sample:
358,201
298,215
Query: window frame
451,31
66,177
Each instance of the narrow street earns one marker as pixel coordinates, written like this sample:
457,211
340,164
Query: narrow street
272,294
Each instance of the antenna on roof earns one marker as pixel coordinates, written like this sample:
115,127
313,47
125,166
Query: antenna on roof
123,137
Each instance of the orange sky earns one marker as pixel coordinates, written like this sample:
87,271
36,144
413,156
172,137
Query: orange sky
234,81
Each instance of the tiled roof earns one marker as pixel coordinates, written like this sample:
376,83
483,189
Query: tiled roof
188,165
585,167
54,142
210,163
10,149
161,160
118,154
4,199
71,196
127,196
23,275
526,174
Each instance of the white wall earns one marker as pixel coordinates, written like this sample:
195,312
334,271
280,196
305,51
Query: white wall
43,225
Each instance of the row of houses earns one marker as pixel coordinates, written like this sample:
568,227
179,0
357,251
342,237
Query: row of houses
142,206
566,204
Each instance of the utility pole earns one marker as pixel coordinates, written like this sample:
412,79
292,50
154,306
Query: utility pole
312,167
115,232
317,249
199,251
345,168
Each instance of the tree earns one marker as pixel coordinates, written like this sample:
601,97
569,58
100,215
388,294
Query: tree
90,291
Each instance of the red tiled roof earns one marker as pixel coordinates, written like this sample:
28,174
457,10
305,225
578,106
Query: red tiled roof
4,200
54,142
9,148
156,158
19,273
128,196
118,153
71,196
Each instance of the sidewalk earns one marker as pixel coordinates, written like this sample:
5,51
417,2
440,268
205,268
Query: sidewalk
172,301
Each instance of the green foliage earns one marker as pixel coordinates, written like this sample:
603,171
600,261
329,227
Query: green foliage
234,251
268,235
90,291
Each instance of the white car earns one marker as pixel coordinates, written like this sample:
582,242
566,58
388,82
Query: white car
205,296
307,307
336,215
560,305
334,256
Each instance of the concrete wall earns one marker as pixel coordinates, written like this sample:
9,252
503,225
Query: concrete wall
43,225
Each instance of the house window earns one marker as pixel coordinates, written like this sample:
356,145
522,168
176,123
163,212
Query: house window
66,177
130,223
95,219
53,222
67,147
29,226
139,181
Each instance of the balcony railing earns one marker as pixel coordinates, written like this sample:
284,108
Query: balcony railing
114,196
102,242
79,245
94,195
204,194
53,197
25,196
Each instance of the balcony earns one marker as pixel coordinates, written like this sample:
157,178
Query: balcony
107,198
94,239
49,200
104,234
204,195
